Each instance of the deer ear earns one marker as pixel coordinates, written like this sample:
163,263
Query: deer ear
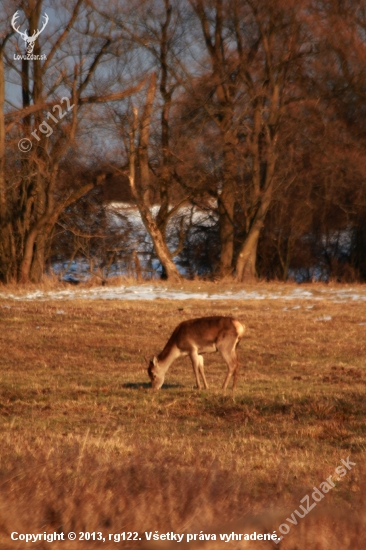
155,361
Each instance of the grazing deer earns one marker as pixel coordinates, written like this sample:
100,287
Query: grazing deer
195,337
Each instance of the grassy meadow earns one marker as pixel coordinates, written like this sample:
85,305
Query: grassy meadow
85,445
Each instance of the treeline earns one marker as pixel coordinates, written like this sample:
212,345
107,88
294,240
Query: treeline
236,128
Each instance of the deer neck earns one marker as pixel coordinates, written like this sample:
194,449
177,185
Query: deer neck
169,354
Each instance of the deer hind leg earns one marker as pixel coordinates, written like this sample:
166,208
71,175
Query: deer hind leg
227,350
236,371
235,357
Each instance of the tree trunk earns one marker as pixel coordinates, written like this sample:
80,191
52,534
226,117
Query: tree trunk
160,246
26,263
245,265
226,203
150,223
39,257
7,248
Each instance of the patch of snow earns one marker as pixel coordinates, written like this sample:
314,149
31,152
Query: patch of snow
142,292
324,318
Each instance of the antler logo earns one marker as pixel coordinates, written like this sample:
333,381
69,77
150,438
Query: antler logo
29,40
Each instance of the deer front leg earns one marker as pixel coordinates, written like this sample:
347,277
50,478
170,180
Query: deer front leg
195,358
202,371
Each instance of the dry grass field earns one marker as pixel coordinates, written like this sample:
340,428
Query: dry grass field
86,446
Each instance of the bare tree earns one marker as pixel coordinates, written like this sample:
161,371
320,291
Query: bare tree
139,193
35,200
255,51
156,36
212,24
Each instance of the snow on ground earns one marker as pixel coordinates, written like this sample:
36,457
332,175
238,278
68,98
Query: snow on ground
152,292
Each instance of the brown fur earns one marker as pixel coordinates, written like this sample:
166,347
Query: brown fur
195,337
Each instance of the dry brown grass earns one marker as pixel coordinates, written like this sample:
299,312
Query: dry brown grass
86,446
